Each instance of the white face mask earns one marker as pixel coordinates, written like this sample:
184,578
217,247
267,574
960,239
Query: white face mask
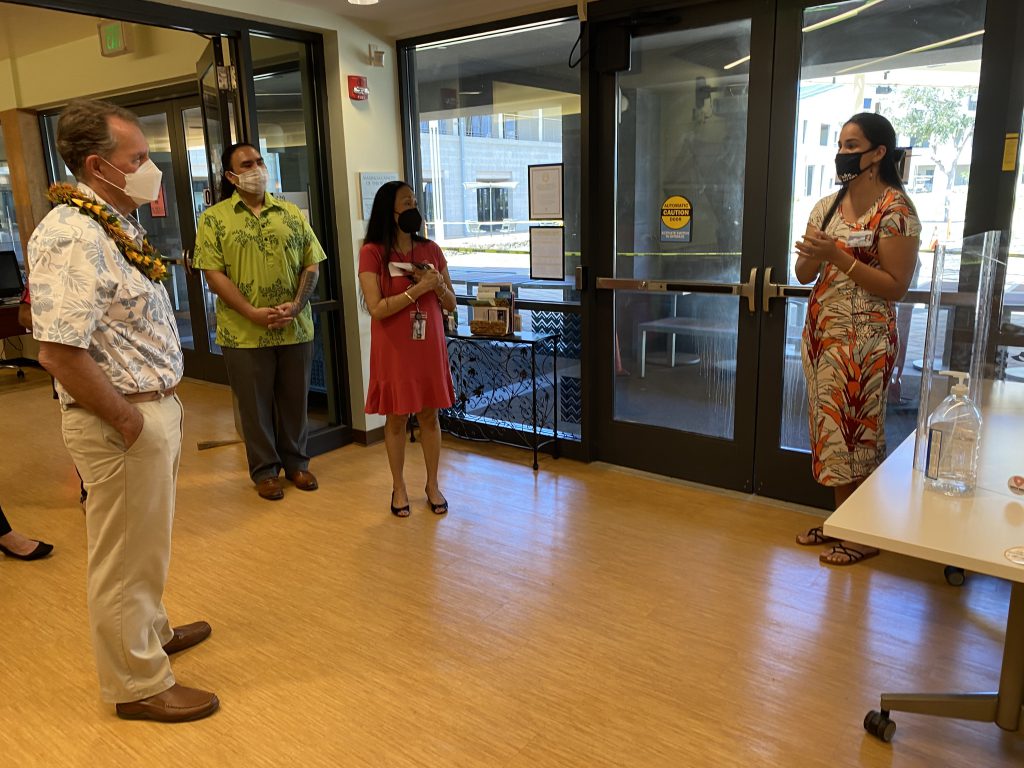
254,181
143,185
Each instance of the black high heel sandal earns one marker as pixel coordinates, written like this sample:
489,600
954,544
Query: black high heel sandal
437,509
399,511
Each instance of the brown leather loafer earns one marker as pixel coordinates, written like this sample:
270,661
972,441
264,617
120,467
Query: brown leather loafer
304,480
186,636
270,488
177,704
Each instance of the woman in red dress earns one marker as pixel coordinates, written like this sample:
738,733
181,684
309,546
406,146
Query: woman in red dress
409,370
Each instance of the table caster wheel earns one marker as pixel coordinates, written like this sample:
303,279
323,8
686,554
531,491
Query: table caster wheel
879,725
955,577
21,374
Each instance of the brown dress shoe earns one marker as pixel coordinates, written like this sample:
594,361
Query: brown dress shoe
303,479
177,704
187,636
270,488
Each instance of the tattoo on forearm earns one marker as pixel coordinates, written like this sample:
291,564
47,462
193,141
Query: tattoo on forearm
307,284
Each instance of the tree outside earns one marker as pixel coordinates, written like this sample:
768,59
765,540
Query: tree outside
939,121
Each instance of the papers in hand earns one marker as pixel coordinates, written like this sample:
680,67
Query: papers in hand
400,268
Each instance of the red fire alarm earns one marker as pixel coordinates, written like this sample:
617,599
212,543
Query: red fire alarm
357,90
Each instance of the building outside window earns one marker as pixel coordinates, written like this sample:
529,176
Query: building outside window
520,106
488,106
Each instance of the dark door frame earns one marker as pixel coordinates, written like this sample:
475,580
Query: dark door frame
693,457
989,207
239,32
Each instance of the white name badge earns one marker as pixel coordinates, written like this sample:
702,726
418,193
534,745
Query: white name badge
861,239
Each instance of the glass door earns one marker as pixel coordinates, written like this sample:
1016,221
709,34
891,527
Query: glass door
175,135
676,291
716,130
855,58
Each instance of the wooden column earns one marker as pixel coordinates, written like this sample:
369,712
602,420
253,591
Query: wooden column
27,162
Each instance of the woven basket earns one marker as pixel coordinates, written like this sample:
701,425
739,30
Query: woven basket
487,328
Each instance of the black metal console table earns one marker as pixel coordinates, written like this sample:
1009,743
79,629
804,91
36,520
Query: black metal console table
506,389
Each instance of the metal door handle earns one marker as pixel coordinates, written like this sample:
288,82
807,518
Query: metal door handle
186,257
771,290
745,290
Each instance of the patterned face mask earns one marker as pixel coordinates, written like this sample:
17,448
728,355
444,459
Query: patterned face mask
848,165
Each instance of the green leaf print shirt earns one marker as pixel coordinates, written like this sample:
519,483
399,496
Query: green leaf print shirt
262,255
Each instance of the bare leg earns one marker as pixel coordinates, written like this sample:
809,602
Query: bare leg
430,440
859,551
815,535
394,443
843,492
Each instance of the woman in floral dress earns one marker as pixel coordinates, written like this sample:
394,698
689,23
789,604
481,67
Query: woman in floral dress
860,249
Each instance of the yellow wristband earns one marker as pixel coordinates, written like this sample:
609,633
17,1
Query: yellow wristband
409,297
852,267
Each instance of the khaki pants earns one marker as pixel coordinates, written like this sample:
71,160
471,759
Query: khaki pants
128,523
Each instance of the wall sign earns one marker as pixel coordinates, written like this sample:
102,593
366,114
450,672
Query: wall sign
369,183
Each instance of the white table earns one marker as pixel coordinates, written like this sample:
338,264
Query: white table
892,510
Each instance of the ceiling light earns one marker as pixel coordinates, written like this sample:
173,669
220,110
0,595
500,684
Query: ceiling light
736,63
835,19
919,49
362,2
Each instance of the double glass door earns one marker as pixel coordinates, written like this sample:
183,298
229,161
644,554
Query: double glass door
174,130
722,123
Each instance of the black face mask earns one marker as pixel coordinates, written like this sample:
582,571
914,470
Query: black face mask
848,165
410,221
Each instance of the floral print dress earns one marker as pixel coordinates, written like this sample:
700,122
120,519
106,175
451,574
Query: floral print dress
849,347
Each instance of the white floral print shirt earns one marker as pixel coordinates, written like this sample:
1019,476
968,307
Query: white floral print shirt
86,294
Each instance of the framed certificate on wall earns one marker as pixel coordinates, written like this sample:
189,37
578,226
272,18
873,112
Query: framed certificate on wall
547,253
545,183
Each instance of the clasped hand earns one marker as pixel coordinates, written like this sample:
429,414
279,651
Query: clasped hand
816,246
274,318
428,277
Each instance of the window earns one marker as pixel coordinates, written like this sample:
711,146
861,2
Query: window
509,127
521,109
932,112
923,179
803,132
809,181
426,205
9,237
478,125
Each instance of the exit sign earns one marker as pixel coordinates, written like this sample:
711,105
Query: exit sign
115,38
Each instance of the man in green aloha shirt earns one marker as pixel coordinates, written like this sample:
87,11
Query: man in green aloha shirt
261,258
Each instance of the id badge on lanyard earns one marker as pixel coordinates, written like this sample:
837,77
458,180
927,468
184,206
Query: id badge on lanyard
418,321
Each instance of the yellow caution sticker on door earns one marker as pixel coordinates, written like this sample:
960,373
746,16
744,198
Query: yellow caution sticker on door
1010,148
676,219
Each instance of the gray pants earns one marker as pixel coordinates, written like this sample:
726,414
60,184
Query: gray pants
271,385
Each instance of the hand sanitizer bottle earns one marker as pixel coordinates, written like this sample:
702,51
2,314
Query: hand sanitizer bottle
954,432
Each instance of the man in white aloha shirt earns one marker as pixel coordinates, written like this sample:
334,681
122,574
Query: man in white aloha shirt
107,334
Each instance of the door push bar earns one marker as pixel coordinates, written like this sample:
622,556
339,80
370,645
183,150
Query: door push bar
745,290
770,290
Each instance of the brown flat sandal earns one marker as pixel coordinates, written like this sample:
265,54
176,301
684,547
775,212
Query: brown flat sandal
815,536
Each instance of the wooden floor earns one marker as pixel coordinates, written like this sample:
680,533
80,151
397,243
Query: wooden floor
580,616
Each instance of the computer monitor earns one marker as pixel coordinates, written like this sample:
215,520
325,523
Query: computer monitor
11,283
